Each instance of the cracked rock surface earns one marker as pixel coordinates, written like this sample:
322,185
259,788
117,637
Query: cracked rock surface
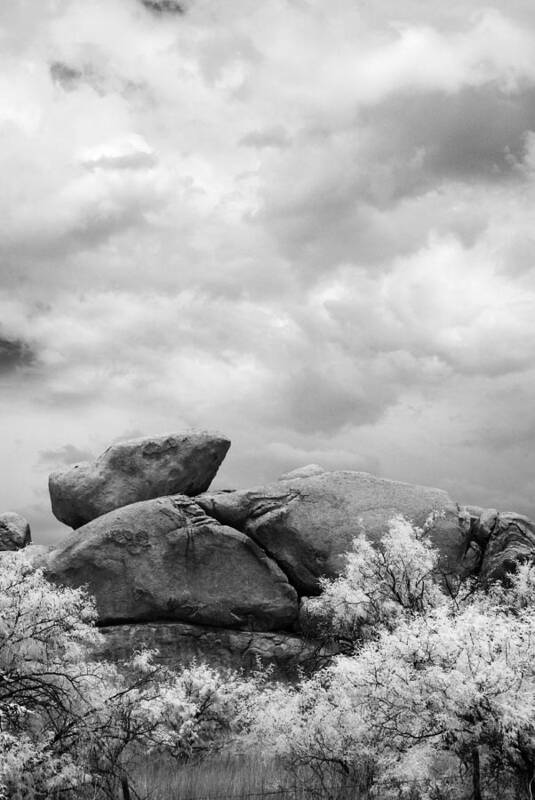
139,469
166,559
506,539
178,643
308,524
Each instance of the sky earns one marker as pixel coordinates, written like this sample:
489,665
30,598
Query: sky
307,225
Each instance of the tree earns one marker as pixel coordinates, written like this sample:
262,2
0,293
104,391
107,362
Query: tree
442,688
380,585
73,724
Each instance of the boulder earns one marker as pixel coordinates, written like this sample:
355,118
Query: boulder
14,531
509,539
178,644
307,524
302,472
164,559
139,469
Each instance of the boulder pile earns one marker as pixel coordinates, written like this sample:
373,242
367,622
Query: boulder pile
221,575
307,524
165,559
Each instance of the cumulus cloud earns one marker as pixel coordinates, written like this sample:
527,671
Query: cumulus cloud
128,152
309,227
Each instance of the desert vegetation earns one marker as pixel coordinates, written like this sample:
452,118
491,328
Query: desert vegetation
73,725
431,695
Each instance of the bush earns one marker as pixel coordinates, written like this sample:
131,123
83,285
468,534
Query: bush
433,689
380,585
72,725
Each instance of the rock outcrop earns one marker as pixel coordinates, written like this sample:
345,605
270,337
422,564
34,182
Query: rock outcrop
14,531
218,575
505,539
164,559
178,643
139,469
307,524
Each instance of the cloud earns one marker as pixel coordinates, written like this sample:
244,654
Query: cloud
64,456
478,132
14,353
309,227
164,6
275,136
407,165
128,152
67,77
324,400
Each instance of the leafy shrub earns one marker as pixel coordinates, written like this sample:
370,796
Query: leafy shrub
380,585
74,725
432,693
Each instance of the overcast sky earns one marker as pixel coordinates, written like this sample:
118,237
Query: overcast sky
307,224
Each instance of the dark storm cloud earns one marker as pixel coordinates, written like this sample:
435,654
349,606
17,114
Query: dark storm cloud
408,164
71,77
164,6
14,353
66,76
316,400
476,134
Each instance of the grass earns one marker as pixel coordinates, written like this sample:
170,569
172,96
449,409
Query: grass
245,776
250,776
220,777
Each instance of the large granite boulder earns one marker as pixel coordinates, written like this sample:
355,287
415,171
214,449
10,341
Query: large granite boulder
505,539
139,469
14,531
307,524
179,644
164,559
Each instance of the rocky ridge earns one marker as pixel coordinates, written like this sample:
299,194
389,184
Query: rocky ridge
220,575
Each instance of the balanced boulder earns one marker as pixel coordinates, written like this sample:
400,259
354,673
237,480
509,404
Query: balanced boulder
139,469
307,524
14,531
164,559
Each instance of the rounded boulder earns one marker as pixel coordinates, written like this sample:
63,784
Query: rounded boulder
307,525
135,470
165,559
14,531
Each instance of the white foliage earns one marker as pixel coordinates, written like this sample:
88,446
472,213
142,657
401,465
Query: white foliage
380,584
438,680
74,723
